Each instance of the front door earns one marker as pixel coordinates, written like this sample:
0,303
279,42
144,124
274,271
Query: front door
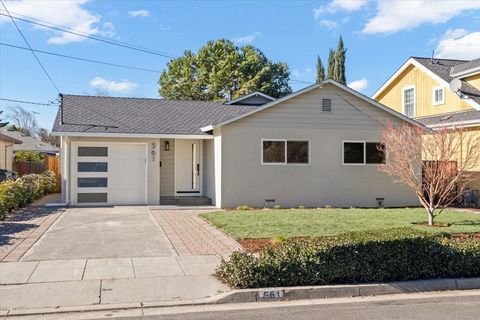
187,167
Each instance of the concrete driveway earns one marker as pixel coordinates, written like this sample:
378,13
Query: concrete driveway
110,232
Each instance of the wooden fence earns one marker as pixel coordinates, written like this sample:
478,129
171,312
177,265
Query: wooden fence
50,163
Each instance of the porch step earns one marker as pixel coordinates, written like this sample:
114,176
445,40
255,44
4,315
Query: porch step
185,201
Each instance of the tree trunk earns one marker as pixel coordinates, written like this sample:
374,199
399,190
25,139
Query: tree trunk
430,217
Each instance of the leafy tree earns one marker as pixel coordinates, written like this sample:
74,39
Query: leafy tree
320,70
221,71
340,62
29,156
331,64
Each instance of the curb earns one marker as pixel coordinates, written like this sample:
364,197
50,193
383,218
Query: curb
277,294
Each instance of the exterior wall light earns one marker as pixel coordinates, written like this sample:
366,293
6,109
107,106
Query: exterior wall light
167,146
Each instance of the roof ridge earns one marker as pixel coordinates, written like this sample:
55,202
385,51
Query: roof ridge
429,58
140,98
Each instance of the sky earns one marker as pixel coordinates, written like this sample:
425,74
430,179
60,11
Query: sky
379,35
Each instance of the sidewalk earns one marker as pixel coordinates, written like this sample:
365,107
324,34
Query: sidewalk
65,283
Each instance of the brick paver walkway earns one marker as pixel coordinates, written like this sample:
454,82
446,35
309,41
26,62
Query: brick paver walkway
19,232
191,235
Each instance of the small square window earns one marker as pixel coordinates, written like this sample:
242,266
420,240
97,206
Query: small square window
273,151
375,153
353,153
327,105
297,152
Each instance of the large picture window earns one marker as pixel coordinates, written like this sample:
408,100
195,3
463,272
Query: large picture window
361,152
285,152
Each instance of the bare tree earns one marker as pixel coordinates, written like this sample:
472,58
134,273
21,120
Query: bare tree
47,137
24,120
436,164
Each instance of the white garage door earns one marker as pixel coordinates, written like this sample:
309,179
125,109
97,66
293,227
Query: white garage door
109,174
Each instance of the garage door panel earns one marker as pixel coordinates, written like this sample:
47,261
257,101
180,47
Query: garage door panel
126,173
123,196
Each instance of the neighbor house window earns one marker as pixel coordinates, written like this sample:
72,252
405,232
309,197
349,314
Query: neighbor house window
361,152
285,152
438,95
409,101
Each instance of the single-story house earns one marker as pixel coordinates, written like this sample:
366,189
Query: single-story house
30,143
7,144
314,147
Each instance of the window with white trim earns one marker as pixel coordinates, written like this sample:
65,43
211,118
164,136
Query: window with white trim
363,152
282,151
438,95
409,101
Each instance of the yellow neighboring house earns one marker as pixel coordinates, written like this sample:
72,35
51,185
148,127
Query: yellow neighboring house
437,93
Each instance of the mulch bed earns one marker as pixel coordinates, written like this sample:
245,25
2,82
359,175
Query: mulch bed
256,245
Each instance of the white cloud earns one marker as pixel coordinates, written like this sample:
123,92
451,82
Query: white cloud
459,44
139,13
248,38
329,24
336,5
394,16
122,86
69,13
359,85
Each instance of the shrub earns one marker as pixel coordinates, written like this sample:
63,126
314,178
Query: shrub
21,192
29,156
398,254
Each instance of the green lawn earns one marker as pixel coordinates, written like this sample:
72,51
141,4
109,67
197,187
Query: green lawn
327,222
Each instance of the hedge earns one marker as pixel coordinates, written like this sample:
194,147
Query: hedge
381,256
21,192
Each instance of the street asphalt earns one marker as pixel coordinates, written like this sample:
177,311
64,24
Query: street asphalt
432,306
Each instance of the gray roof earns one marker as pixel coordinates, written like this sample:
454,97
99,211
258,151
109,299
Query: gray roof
96,114
29,143
443,67
471,116
461,68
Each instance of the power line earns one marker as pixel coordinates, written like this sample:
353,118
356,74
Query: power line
30,102
33,52
82,59
92,37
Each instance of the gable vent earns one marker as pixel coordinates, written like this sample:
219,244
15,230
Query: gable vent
327,105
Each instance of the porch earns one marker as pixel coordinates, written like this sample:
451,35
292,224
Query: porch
186,172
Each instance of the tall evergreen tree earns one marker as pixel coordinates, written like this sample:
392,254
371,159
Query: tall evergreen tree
320,70
221,71
340,62
331,64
